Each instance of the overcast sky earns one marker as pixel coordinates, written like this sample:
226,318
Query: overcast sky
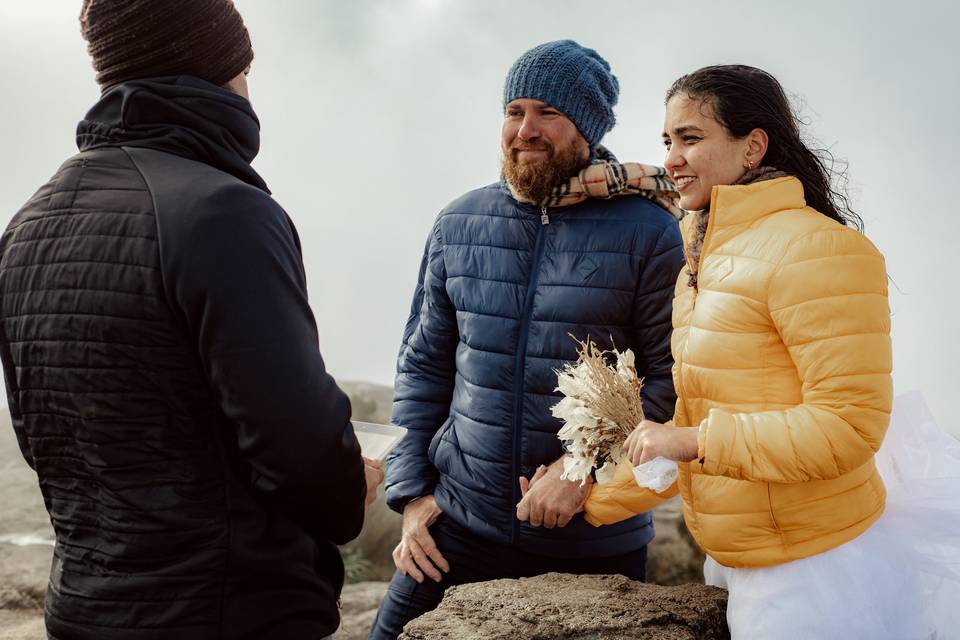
377,113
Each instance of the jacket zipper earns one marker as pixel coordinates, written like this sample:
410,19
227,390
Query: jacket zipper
696,292
521,361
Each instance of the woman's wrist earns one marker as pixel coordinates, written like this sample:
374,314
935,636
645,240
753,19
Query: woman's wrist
691,441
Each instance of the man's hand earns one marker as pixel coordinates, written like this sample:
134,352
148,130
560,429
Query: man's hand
417,554
652,439
374,473
549,501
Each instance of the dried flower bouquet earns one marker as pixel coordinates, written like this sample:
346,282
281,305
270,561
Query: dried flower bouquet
601,406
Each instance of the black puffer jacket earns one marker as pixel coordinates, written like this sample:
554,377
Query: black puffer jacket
164,379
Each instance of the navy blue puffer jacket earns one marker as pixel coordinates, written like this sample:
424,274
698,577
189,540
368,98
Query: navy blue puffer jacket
501,287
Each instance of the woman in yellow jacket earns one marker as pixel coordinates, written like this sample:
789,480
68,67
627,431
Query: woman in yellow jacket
782,369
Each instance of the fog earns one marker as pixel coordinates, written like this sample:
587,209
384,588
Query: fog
375,114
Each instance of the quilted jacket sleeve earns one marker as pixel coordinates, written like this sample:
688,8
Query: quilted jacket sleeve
828,300
621,498
236,275
653,325
425,378
16,418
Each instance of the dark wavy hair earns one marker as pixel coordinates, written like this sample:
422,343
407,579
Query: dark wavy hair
746,98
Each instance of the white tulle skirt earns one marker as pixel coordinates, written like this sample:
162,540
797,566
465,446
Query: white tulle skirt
899,580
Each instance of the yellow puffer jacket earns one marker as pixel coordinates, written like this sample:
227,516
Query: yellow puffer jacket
783,359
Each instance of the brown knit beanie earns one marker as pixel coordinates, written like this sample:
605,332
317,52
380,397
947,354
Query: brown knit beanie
131,39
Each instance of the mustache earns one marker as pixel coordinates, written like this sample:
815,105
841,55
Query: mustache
520,145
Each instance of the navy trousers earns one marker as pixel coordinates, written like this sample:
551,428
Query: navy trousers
473,559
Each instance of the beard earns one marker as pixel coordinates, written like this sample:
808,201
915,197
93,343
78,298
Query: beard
534,181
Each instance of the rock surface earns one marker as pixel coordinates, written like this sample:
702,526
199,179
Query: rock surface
22,624
564,607
370,402
673,557
26,543
360,602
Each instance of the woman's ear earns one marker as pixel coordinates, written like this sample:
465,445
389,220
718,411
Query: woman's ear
757,142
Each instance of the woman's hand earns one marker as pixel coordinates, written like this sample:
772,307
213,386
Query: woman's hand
652,439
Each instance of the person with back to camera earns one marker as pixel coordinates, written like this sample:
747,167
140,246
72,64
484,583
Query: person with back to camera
162,361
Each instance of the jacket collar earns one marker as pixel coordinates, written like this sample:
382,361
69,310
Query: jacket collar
734,207
181,115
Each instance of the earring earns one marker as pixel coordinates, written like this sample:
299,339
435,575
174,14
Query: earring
750,165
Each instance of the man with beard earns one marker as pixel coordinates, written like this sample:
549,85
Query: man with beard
509,273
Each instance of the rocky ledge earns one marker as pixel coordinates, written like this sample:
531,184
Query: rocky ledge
566,607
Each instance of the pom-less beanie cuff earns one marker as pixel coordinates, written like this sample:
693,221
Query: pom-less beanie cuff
131,39
571,78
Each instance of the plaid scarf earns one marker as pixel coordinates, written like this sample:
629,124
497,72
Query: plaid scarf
605,178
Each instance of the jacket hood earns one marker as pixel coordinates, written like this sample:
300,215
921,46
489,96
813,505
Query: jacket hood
181,115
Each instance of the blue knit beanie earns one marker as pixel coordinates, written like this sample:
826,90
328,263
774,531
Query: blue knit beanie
571,78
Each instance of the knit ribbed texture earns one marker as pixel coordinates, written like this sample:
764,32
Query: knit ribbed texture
571,78
134,39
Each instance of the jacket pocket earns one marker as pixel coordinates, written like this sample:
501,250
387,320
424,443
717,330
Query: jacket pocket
437,438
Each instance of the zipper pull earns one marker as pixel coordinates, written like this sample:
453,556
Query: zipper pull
544,218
